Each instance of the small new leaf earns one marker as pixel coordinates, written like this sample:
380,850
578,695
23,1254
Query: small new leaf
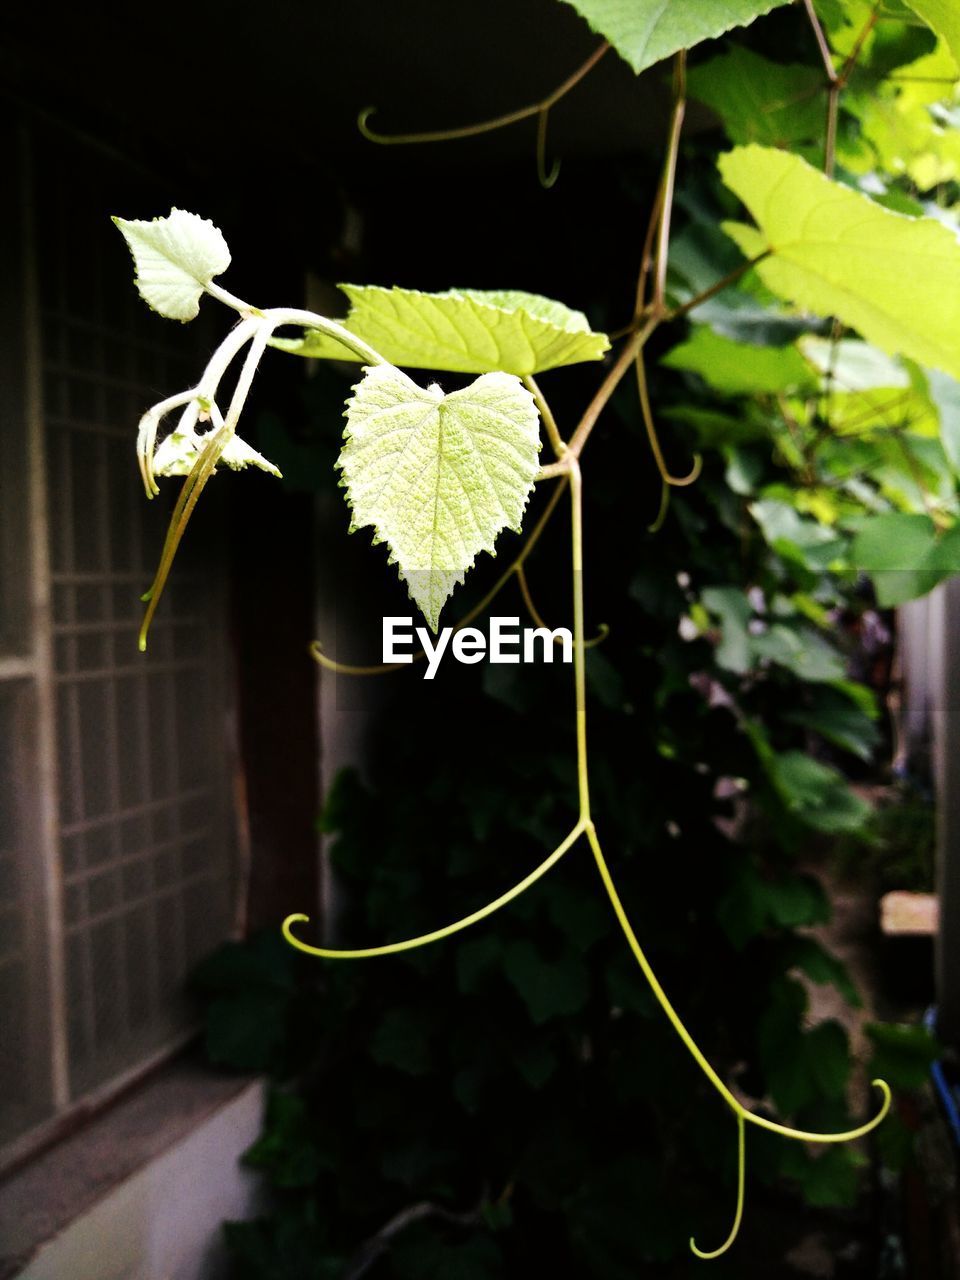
178,452
438,476
833,251
460,331
176,258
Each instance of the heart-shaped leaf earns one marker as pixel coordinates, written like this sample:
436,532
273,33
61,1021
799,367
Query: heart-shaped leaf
438,476
176,258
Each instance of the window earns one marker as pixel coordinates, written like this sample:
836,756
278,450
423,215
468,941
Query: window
116,836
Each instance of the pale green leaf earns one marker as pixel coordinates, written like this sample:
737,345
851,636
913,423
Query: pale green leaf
738,368
178,452
646,31
758,100
438,476
836,252
460,331
176,258
943,17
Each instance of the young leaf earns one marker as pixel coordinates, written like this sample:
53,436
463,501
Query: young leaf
646,31
176,258
460,331
438,476
178,452
836,252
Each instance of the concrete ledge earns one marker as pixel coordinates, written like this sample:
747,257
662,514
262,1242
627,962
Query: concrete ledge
140,1192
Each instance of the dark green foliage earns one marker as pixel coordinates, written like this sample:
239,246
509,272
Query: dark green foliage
520,1075
517,1085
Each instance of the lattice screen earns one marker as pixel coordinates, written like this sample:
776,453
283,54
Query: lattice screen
143,875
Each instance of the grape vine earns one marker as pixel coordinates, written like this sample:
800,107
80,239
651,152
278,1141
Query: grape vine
817,247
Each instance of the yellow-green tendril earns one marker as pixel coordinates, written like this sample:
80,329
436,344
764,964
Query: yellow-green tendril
785,1131
423,939
546,178
664,507
602,629
741,1180
678,482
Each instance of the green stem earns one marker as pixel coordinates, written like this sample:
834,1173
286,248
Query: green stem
633,345
278,316
669,179
557,442
579,646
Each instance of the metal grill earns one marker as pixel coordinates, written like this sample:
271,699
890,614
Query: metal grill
140,828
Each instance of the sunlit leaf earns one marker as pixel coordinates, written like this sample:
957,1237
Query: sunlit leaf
835,252
461,331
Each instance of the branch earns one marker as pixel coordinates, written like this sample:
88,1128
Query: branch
669,179
609,385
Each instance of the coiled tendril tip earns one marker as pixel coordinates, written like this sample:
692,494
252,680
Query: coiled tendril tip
362,119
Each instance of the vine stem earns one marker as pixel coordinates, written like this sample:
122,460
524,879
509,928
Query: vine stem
653,439
557,442
540,109
693,1048
633,345
200,473
668,180
579,645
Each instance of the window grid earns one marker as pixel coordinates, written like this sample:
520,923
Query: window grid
140,876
